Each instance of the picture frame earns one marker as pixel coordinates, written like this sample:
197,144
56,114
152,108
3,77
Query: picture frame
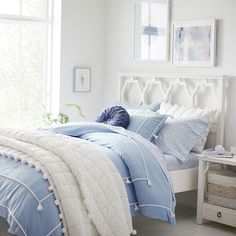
151,37
81,79
194,43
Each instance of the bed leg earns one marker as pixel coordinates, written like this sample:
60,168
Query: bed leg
201,184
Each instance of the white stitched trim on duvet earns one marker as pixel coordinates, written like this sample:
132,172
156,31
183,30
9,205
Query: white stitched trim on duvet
56,227
27,187
159,206
144,162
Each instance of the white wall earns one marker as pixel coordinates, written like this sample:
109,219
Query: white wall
119,50
83,44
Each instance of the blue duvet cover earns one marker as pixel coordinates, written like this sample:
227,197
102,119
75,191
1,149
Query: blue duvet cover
140,164
28,205
26,202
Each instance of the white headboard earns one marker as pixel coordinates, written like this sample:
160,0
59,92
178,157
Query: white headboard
190,91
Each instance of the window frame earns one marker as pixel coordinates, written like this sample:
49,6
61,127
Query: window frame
52,55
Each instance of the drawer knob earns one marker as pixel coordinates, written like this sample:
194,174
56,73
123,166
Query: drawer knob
219,214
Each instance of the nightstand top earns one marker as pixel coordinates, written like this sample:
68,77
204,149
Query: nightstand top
220,160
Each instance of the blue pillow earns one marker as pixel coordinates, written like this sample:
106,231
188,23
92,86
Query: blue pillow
116,116
151,107
147,125
178,137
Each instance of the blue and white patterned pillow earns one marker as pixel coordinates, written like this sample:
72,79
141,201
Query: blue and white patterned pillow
147,125
152,107
178,137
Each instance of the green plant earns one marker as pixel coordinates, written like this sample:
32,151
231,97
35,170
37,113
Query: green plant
50,119
77,107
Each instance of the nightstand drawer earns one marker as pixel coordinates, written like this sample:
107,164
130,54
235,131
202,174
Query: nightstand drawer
221,186
219,214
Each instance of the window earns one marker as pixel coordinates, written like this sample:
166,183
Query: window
26,38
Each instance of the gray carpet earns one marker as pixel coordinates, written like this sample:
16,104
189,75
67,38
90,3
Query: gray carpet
186,218
3,228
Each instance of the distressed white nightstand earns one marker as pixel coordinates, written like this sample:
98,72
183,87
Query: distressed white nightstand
205,210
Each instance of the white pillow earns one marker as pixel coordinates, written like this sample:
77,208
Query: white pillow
179,112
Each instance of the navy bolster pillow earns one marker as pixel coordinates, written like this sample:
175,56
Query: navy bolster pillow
115,116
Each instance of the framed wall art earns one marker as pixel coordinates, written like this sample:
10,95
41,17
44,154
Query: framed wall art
82,79
194,43
151,30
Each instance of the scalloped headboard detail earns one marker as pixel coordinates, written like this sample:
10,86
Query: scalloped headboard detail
190,91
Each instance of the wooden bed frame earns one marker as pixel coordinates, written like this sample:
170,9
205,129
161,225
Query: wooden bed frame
191,91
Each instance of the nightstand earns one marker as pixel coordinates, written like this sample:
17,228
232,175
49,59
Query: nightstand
216,169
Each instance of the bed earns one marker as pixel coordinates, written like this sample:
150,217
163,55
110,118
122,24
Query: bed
61,178
187,90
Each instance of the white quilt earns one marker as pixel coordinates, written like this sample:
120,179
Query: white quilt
91,193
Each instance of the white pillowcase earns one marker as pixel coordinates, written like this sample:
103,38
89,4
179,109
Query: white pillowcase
179,112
